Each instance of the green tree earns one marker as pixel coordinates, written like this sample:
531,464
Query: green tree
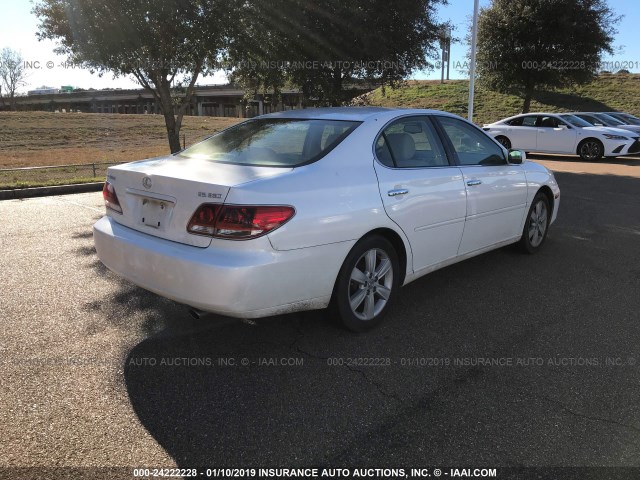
164,44
319,45
524,45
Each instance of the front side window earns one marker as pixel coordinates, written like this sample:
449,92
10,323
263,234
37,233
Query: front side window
273,142
410,142
471,145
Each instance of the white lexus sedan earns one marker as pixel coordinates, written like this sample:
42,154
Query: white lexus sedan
562,133
319,208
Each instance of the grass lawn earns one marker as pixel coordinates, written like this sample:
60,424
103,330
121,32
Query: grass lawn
608,92
30,139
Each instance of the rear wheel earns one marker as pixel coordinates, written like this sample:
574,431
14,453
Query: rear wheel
504,141
367,284
590,150
537,225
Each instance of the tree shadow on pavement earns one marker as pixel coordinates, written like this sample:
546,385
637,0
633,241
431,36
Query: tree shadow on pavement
631,161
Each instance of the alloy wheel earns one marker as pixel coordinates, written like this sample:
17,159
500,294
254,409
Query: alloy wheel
370,284
538,223
590,150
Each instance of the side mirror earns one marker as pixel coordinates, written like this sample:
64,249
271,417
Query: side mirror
516,157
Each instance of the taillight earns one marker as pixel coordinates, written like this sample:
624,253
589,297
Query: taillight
239,222
203,222
110,198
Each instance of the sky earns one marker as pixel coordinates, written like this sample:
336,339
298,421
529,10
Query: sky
19,26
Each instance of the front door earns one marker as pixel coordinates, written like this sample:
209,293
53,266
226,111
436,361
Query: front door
496,192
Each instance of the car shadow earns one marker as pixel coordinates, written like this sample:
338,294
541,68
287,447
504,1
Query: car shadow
631,161
297,390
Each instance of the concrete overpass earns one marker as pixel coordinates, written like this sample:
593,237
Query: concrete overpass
211,100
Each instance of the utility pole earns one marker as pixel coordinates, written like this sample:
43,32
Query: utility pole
472,70
445,45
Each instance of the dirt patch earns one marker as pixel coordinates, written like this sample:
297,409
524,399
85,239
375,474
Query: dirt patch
32,139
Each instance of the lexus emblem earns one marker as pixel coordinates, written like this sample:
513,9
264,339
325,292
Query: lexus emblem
146,182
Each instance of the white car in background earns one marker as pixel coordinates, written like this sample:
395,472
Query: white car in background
312,208
627,118
599,119
564,134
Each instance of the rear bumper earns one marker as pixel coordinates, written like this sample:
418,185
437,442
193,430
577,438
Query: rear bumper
238,279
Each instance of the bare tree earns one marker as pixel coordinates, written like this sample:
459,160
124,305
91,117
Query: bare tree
12,73
165,44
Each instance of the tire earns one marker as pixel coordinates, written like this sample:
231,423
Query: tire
536,226
504,141
590,150
355,285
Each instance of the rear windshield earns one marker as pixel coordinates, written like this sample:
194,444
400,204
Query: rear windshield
273,142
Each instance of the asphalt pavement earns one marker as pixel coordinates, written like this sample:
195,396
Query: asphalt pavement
503,360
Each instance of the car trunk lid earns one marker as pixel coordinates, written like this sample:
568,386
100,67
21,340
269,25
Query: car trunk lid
159,196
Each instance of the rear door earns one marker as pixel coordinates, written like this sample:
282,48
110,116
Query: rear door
421,191
523,133
496,192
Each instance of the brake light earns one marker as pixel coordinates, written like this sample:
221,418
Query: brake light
203,222
240,222
110,198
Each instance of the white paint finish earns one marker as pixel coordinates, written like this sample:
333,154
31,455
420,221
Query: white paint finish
230,278
495,206
559,140
184,184
337,200
431,213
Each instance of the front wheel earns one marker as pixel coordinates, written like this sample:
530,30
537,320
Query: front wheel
590,150
504,141
367,284
537,225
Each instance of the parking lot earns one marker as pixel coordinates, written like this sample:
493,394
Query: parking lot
502,360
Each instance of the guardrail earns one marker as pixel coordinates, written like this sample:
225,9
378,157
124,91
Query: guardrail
24,177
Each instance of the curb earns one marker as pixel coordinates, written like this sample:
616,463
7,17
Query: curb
19,193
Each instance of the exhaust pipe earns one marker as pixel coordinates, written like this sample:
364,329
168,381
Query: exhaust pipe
197,314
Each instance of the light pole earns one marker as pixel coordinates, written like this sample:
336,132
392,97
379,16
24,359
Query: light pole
472,69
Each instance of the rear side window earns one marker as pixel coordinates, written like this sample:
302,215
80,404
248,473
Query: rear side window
516,122
529,121
471,145
273,142
410,142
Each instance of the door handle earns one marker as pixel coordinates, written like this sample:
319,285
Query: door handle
473,183
397,191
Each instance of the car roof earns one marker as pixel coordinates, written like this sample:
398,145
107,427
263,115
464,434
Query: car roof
349,113
535,113
587,113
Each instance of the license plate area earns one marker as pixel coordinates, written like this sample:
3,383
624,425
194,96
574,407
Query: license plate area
154,213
